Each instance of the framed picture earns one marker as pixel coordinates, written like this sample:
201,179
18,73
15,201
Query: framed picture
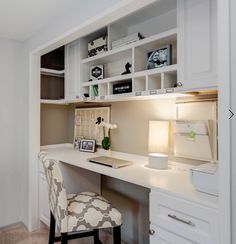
87,145
159,57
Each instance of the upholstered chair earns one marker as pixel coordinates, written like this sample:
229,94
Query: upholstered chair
77,215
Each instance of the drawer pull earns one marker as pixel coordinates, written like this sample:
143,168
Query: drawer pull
181,220
151,232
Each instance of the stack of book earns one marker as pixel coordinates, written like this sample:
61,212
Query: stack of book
126,40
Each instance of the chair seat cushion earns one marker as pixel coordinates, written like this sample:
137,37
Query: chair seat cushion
89,210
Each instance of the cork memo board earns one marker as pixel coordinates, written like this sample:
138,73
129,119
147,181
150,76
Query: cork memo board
85,122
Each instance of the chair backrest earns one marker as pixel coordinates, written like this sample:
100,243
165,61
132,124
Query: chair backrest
57,193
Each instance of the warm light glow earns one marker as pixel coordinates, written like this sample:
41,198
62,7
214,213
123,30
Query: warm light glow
158,136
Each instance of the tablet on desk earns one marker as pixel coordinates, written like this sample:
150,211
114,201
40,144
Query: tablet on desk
110,162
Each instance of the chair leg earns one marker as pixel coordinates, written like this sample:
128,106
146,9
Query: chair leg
52,229
96,237
64,238
117,235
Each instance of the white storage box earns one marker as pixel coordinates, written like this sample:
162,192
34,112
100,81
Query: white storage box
205,178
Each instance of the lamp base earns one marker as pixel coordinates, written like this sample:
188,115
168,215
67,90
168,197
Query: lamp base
158,161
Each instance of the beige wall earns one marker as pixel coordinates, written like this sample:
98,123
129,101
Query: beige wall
131,136
55,124
132,119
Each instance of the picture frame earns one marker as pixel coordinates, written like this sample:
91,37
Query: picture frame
87,145
159,57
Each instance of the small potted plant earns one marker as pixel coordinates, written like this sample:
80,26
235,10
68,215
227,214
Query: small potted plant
106,143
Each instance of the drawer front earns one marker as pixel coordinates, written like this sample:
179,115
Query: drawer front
161,236
190,220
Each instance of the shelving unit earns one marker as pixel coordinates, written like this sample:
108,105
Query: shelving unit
53,77
143,80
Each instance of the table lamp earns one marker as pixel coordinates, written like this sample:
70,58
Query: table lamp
158,144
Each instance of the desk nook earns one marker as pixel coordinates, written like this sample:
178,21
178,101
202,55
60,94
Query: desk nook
129,112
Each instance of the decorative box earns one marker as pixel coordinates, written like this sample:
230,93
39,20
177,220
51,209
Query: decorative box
97,46
96,72
124,87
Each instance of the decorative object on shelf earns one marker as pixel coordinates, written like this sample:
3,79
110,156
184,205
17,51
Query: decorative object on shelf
97,46
77,142
159,57
126,40
95,90
86,95
106,132
87,145
96,72
127,69
158,144
123,87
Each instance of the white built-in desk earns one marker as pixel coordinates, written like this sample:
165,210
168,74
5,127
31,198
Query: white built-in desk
174,181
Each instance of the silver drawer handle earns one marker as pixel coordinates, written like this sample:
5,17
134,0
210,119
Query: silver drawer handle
181,220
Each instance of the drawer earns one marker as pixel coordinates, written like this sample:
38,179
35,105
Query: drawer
162,236
190,220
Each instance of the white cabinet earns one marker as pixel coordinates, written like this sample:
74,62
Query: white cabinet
44,211
197,43
72,71
175,220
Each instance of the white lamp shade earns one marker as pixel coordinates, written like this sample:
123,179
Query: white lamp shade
158,136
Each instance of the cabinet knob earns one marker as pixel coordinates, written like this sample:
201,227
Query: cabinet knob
151,232
179,84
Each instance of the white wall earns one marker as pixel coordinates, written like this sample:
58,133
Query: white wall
10,121
233,120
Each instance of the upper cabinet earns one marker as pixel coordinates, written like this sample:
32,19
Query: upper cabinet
197,43
169,46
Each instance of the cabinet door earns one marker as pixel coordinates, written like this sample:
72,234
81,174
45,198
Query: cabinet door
44,211
161,236
197,46
72,71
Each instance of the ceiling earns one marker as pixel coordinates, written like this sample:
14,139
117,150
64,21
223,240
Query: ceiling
20,19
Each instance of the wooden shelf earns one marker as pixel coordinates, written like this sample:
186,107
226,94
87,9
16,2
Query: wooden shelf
52,72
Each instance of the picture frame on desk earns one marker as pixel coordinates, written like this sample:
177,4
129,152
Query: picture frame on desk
87,145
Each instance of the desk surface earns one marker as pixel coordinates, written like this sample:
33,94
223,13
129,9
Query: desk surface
175,180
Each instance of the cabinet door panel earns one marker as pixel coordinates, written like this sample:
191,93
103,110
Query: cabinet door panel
72,71
197,56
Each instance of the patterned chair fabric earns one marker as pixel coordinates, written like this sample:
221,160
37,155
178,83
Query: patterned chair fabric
76,212
89,210
57,193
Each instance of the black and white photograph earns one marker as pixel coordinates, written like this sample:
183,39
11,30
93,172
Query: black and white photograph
87,145
159,57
